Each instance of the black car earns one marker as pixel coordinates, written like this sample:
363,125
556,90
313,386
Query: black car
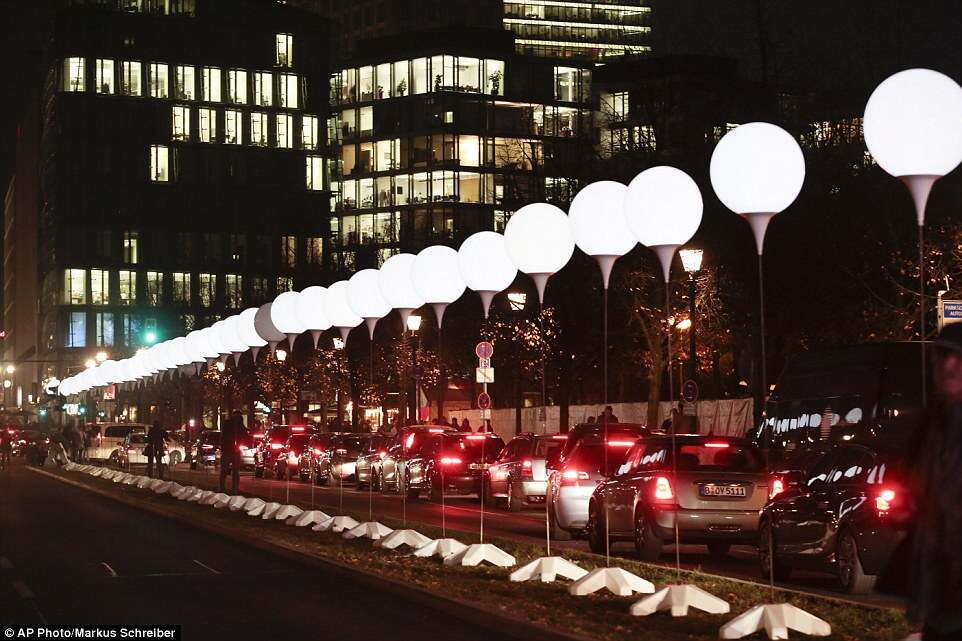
337,463
453,461
287,459
266,452
309,462
845,516
206,449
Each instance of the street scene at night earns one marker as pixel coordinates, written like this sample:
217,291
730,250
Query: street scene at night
481,319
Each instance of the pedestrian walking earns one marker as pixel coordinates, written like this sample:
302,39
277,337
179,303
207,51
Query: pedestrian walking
466,425
454,424
607,416
156,444
231,433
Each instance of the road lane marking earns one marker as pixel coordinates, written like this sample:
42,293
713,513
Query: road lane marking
110,570
206,567
5,563
23,590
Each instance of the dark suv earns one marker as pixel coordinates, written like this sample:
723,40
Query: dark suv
390,472
338,462
274,439
287,459
450,462
309,463
845,516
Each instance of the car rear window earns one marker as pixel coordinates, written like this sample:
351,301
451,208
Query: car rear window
279,433
475,447
542,446
137,438
590,457
720,456
299,440
352,444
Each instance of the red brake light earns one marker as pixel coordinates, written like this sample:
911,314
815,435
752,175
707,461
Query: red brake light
276,446
450,460
777,487
526,464
560,437
435,430
292,458
884,500
612,443
317,451
663,488
207,447
297,429
258,435
526,467
476,437
573,476
719,444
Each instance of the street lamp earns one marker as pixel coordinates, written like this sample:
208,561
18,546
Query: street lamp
517,301
691,261
280,354
11,369
414,324
101,356
90,363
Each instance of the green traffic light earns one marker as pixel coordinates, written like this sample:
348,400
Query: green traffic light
150,337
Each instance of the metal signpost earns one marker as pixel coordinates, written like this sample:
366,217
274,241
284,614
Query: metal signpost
950,311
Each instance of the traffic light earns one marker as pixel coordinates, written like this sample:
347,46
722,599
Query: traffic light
150,337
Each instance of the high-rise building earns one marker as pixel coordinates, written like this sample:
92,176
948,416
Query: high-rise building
594,30
173,171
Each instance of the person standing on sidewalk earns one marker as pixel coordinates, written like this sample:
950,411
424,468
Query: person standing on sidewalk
231,433
156,444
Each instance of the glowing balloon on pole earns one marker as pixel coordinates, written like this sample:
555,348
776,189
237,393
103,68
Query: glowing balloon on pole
437,279
485,266
365,299
230,335
339,311
266,328
539,241
394,279
598,224
246,328
310,311
285,318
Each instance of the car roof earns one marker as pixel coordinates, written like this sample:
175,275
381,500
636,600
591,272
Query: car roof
698,438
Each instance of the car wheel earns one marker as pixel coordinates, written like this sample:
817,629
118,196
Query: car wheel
114,460
767,560
435,490
719,548
851,575
596,531
514,504
647,544
558,533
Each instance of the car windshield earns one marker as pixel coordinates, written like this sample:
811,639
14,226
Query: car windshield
475,447
543,446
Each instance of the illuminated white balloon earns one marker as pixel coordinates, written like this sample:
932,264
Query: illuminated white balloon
436,277
285,318
394,279
247,330
539,241
339,311
198,347
485,265
365,299
265,327
598,224
310,311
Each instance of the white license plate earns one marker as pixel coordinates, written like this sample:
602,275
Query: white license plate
723,490
478,466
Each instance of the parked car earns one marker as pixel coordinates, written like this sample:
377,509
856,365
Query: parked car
309,462
712,488
287,459
132,451
206,449
518,476
391,472
845,517
577,469
247,446
338,462
264,454
450,462
105,443
369,461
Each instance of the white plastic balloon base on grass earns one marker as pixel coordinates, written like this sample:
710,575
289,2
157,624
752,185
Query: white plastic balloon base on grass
776,620
237,503
547,569
397,538
286,512
310,517
615,580
336,524
368,530
478,553
270,509
440,547
252,504
678,599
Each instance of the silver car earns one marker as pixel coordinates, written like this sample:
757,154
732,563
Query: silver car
519,476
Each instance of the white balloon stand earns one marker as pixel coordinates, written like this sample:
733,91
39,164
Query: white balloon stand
197,497
286,512
547,569
270,509
477,553
221,502
440,547
97,471
776,619
309,517
154,484
615,580
253,504
215,498
368,530
162,488
336,524
130,480
142,481
174,488
397,538
120,478
237,503
678,599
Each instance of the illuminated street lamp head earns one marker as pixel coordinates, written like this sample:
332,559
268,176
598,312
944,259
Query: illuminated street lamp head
517,301
90,363
11,369
7,383
414,322
683,325
221,366
101,356
281,355
338,343
691,260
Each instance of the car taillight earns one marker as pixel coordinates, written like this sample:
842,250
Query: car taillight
573,476
435,430
560,437
317,451
777,487
258,435
207,447
450,460
612,443
476,437
663,489
276,446
718,444
884,500
242,448
526,467
292,458
297,429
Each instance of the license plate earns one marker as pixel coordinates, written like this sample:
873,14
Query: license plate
478,466
723,490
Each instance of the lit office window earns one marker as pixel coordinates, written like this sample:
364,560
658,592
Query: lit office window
159,80
211,82
74,74
263,88
155,288
237,86
75,286
233,291
99,287
285,131
128,287
207,125
159,163
285,50
232,127
180,287
284,284
131,330
289,251
258,128
181,122
315,173
315,251
130,78
105,75
207,289
184,87
105,329
131,254
309,131
76,335
287,87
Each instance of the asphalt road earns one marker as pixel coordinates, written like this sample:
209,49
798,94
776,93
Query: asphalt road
68,556
463,514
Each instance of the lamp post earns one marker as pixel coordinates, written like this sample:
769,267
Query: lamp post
516,302
413,325
691,261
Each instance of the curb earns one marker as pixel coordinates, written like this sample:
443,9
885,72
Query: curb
485,617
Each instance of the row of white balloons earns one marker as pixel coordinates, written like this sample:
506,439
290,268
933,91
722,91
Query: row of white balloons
912,126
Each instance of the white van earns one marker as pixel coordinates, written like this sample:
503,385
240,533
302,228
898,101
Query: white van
105,444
